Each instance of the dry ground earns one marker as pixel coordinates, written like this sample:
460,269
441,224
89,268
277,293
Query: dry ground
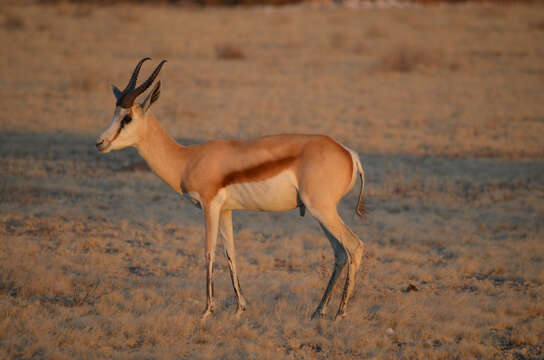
444,104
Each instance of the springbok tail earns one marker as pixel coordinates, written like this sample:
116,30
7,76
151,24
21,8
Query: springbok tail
361,209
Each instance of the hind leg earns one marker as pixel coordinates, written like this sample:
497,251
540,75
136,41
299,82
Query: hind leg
347,249
355,250
340,259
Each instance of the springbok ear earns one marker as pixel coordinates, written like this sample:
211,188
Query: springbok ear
116,92
151,97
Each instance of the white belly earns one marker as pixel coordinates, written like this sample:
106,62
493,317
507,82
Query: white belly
278,193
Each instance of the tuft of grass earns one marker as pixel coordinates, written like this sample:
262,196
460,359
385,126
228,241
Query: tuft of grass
14,23
337,40
83,11
229,51
360,48
539,25
40,27
375,32
406,59
84,83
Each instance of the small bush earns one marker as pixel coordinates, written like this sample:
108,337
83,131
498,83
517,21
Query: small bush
14,22
84,83
229,52
469,1
360,48
539,25
375,32
83,11
248,2
178,2
406,59
337,41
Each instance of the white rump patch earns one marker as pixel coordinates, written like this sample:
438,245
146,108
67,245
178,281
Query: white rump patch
354,159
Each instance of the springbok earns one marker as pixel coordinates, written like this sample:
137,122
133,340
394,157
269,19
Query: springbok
272,173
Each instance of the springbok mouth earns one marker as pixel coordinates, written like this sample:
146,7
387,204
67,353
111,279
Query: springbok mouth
102,146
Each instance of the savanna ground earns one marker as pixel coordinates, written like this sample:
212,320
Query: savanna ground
445,105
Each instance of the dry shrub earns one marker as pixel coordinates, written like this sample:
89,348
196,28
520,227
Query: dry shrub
177,2
437,1
337,40
491,12
83,11
13,23
84,83
162,50
406,59
43,27
539,25
245,2
129,14
469,1
375,32
229,51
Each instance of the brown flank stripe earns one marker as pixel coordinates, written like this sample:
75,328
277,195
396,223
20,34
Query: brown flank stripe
258,173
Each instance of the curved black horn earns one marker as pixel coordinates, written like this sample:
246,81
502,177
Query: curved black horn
130,93
143,87
132,82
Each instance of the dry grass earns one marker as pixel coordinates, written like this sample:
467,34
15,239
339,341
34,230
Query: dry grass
99,259
454,263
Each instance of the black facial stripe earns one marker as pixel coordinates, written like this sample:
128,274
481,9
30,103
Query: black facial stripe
117,133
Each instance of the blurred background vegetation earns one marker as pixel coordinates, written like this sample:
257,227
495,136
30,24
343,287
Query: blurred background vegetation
274,2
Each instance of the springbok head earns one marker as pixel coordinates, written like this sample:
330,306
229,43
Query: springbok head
128,117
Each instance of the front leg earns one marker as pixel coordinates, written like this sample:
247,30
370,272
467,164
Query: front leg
225,228
211,215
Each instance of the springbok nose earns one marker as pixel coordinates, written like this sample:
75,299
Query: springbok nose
99,143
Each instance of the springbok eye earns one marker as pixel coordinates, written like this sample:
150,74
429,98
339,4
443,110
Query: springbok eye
126,119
